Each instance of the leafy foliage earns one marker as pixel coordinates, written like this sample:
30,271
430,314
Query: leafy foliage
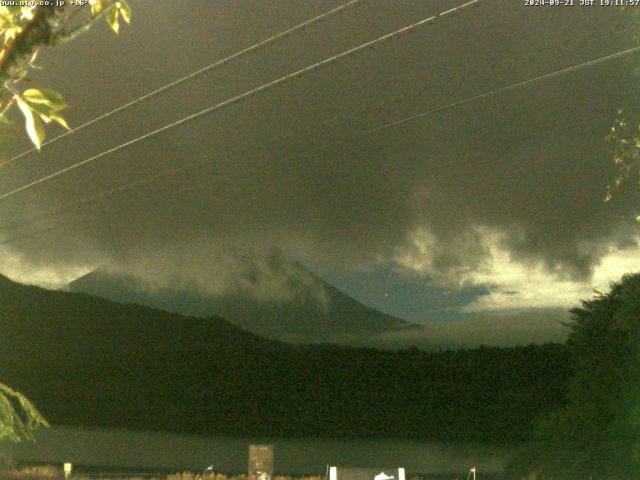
598,432
24,30
624,135
18,416
625,143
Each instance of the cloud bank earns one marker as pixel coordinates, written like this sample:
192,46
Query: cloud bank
522,173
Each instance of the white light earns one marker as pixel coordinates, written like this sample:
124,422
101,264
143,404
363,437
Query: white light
333,473
401,474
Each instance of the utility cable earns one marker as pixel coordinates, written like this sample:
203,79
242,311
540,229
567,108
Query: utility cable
366,132
238,98
217,64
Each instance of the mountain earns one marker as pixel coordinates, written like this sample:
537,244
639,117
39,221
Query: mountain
316,312
87,361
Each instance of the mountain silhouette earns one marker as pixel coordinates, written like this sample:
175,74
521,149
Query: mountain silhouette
316,313
87,361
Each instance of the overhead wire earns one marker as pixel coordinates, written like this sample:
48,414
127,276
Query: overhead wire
192,76
87,219
506,88
369,131
449,106
249,93
42,214
25,220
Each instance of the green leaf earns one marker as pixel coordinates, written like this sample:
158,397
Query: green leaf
96,6
8,19
58,119
50,98
10,10
10,33
44,111
125,10
19,418
112,19
34,125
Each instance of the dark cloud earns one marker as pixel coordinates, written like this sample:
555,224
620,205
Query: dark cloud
530,164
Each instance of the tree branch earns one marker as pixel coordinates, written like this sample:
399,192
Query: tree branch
67,35
36,33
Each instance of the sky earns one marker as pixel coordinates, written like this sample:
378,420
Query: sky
478,217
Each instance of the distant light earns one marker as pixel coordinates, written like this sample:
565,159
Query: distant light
401,473
333,473
67,468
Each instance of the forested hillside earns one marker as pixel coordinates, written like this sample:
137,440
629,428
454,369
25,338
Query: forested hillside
84,360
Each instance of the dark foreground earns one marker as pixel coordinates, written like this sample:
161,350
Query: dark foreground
114,473
86,361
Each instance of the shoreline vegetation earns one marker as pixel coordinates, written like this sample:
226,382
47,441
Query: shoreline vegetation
49,472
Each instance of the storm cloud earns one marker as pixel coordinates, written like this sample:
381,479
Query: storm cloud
286,171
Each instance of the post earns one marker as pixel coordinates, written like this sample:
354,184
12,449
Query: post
67,468
333,473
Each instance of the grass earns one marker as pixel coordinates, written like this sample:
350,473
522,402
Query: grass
53,473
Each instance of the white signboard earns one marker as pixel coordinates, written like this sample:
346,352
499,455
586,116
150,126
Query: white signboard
260,462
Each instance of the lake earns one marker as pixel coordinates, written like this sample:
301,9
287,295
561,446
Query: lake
176,452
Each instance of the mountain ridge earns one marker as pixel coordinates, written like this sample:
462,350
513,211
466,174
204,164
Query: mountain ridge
87,361
330,316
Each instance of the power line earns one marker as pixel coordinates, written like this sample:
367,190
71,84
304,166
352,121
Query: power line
395,123
242,96
316,146
506,88
24,221
219,63
87,219
39,215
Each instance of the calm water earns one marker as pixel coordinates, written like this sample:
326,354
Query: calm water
152,450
